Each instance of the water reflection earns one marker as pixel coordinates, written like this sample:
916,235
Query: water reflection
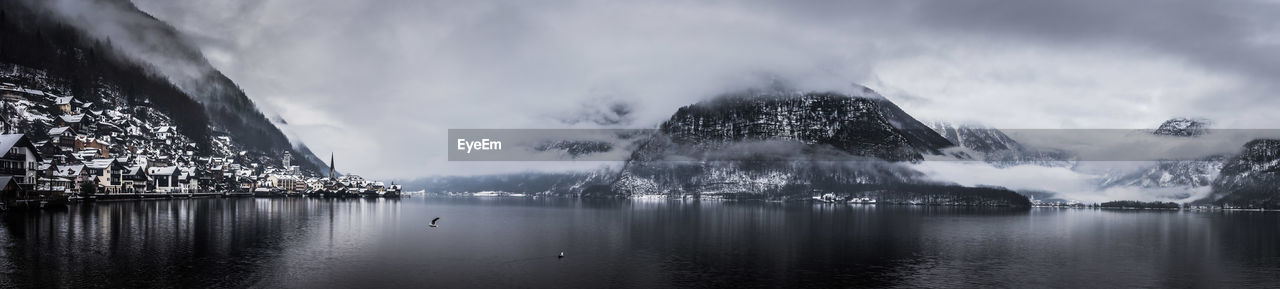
496,242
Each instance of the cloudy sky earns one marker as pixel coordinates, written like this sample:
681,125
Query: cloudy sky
380,82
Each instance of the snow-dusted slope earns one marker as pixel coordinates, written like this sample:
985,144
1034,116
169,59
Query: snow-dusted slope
1250,179
1171,174
1183,127
975,137
779,144
1189,175
977,142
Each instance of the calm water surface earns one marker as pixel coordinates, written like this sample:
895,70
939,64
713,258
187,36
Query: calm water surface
496,242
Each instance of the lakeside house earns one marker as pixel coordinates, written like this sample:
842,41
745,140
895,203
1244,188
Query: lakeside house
163,179
106,174
20,160
134,180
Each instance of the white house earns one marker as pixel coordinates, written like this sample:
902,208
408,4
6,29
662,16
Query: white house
164,179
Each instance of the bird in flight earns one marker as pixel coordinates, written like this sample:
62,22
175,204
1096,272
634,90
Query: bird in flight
433,222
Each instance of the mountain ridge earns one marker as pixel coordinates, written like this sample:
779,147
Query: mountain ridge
780,144
225,107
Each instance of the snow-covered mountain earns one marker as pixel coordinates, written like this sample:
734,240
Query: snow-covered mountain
1171,174
1183,127
1182,179
867,125
1250,179
975,137
781,143
978,142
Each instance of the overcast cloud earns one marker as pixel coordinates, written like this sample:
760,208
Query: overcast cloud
380,82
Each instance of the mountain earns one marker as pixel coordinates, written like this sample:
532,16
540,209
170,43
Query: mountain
1172,173
975,137
977,142
1184,177
1183,127
779,144
867,126
1171,180
201,100
1250,179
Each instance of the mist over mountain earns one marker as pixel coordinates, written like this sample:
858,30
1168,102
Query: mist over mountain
773,143
114,41
780,144
978,142
1188,178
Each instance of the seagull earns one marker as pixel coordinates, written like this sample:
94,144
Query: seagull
433,222
561,255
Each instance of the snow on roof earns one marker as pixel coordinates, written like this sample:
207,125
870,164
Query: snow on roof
68,171
62,100
58,130
23,90
72,118
161,171
8,141
100,163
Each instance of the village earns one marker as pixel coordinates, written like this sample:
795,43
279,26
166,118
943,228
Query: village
61,149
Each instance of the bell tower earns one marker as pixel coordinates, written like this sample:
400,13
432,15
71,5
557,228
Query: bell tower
332,174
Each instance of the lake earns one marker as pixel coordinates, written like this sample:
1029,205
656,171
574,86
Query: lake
514,242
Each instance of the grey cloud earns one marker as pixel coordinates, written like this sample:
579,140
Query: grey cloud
601,112
1213,33
375,80
134,34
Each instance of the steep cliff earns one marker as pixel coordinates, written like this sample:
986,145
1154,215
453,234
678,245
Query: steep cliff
204,103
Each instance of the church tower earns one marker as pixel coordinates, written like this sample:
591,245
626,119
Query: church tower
332,174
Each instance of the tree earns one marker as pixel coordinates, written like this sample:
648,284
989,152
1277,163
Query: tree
88,189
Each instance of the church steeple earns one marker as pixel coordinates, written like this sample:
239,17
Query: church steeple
332,174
